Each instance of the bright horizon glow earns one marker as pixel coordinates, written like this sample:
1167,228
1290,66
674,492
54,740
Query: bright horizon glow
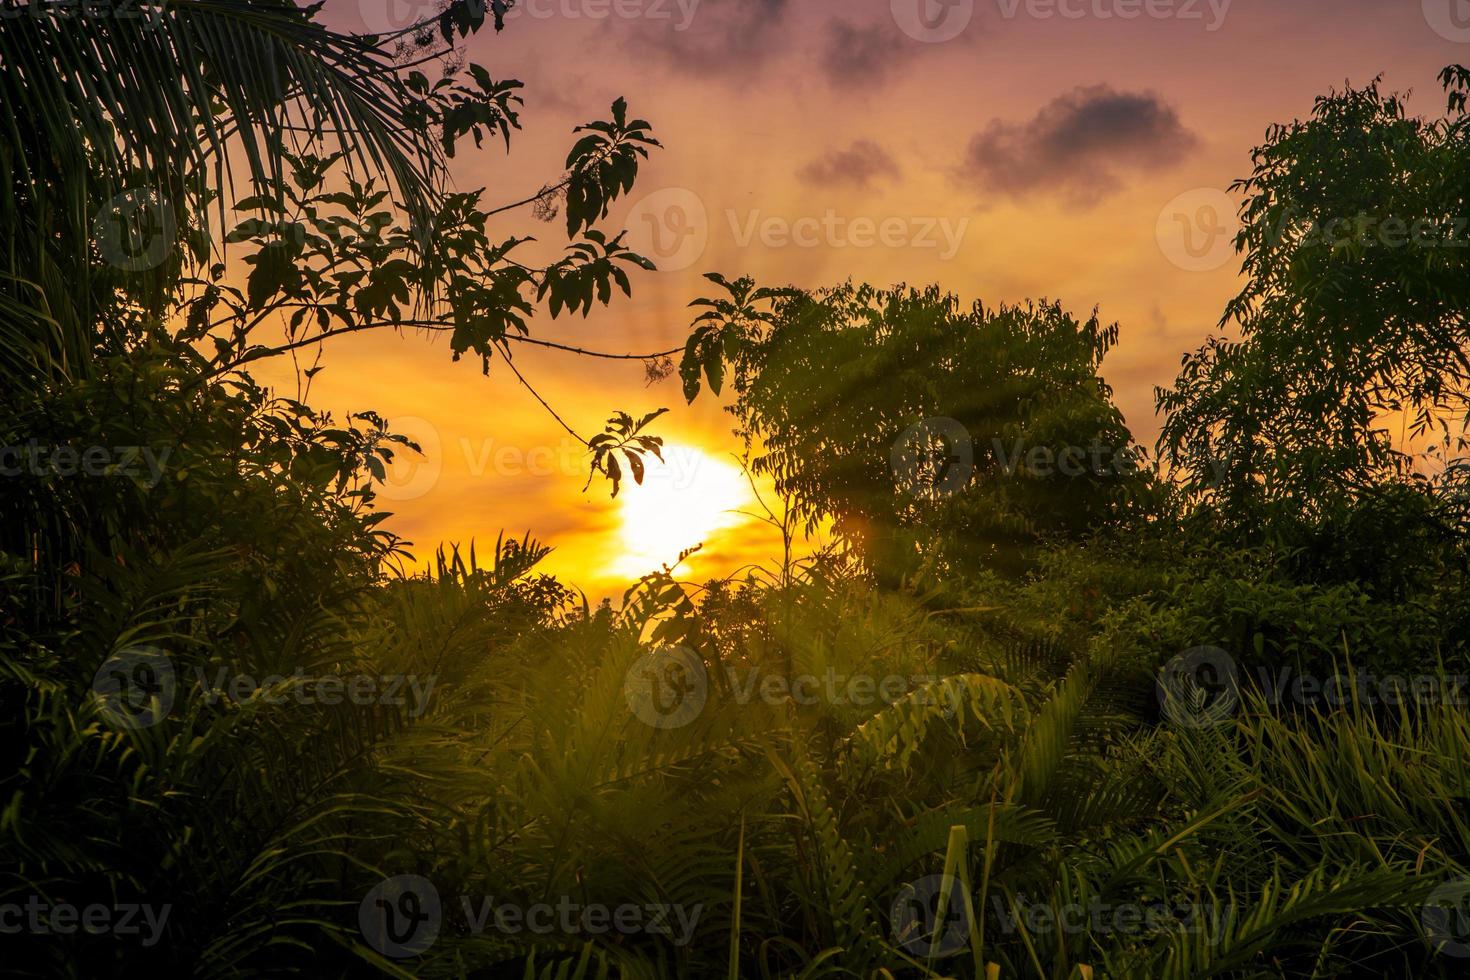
682,502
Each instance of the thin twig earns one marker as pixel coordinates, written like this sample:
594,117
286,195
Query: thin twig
505,356
260,353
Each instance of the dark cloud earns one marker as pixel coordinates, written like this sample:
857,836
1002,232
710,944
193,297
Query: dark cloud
729,37
1078,143
857,165
854,55
720,36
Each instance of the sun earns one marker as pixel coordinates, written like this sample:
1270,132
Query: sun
682,502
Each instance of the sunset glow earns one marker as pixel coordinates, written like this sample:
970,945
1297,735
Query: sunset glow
796,189
682,502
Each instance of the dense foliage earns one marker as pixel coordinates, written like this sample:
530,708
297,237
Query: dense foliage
843,388
1045,707
1357,254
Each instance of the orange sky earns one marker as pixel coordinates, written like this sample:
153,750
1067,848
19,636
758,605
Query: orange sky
1045,150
